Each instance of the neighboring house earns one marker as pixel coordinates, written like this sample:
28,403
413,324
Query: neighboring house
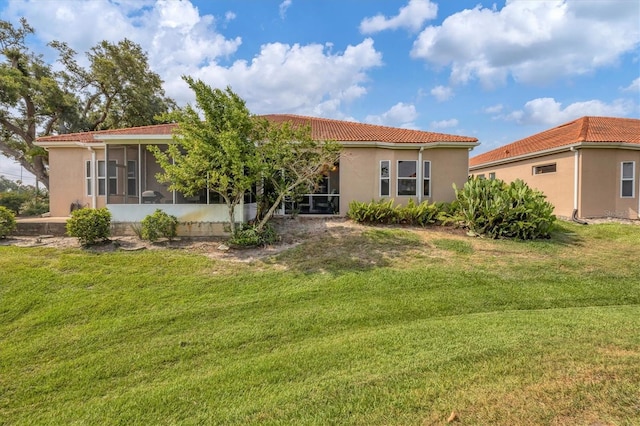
589,165
113,168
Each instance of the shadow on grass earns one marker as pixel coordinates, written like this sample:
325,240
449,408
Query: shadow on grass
341,250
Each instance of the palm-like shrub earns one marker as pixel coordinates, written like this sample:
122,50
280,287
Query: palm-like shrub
494,208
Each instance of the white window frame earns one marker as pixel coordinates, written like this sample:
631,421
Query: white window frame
385,178
107,180
631,179
426,179
541,169
88,174
492,175
408,178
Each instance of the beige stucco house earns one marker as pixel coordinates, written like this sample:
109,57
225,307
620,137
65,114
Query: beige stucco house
113,168
588,166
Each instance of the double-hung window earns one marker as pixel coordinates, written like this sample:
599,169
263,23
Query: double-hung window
426,179
627,179
112,179
89,178
407,177
385,178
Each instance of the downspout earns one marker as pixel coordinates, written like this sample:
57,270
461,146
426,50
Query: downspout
576,186
419,177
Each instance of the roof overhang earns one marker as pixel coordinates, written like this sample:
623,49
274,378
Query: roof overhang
69,144
570,147
142,139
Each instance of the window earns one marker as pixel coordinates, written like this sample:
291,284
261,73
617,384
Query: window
102,178
547,168
426,179
481,176
89,178
385,178
627,178
407,177
492,175
132,185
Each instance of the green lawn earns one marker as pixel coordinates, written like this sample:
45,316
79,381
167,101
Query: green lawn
381,326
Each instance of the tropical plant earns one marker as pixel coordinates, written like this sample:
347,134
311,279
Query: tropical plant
494,208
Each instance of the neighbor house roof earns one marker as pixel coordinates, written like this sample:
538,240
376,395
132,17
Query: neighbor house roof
321,129
585,131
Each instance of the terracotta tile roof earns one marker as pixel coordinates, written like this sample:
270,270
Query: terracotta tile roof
348,131
583,130
321,128
158,129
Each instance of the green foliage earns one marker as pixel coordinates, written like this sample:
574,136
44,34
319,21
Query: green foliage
35,207
117,90
7,222
384,212
159,225
494,208
217,153
90,226
252,236
13,201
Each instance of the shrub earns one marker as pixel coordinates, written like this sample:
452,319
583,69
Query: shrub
34,207
422,214
7,222
492,207
13,200
249,236
90,225
380,211
159,225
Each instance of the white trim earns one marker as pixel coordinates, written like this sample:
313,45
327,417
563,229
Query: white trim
407,145
380,178
427,178
632,179
398,177
576,177
124,137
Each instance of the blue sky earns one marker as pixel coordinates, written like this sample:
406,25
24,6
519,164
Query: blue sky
495,70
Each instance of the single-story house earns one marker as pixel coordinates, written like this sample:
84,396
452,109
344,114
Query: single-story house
587,166
113,168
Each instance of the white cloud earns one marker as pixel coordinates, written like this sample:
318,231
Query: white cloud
531,41
444,124
633,87
442,93
399,115
412,17
180,41
229,16
494,109
283,8
549,112
297,78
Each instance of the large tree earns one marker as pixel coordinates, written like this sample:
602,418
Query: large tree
222,147
117,90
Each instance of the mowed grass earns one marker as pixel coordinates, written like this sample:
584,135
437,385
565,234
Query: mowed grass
375,326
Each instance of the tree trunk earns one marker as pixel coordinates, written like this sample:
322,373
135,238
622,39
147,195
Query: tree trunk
232,223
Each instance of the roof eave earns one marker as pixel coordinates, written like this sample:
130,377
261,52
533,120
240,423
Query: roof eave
579,145
68,144
407,145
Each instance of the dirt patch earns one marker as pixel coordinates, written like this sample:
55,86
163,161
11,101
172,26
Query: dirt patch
292,232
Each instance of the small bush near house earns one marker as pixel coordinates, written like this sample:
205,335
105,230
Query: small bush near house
494,208
159,225
249,236
382,212
90,226
7,222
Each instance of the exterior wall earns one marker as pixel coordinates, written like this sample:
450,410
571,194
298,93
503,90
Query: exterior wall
601,180
557,186
360,173
67,179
